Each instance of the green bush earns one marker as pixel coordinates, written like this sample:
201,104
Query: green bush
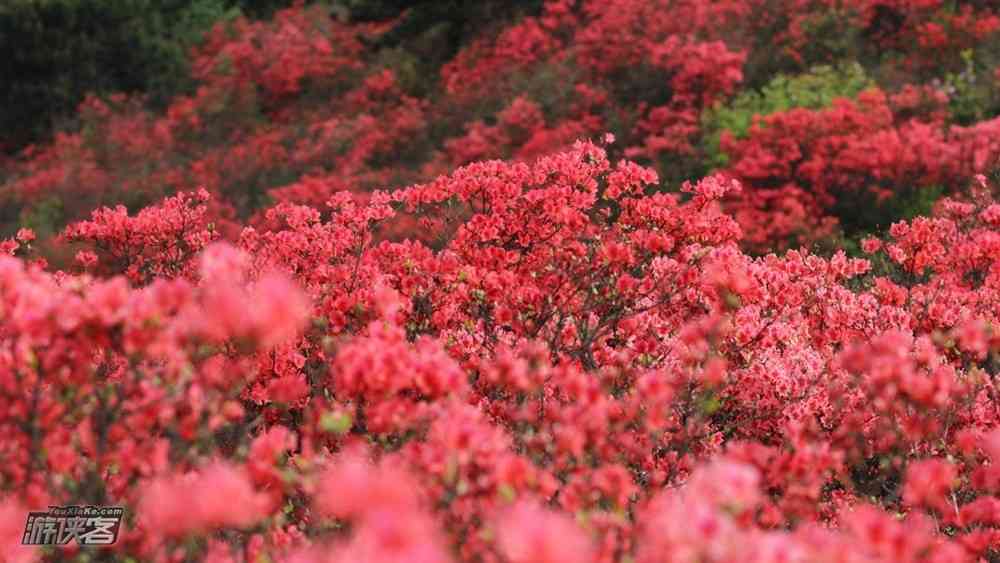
430,32
58,51
815,89
972,92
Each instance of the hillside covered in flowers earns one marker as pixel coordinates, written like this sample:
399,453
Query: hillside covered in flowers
595,281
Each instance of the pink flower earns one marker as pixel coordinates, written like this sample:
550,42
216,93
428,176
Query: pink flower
25,235
86,259
529,534
12,520
871,245
217,496
279,309
928,483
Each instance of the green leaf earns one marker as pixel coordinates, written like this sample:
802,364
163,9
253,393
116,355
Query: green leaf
336,423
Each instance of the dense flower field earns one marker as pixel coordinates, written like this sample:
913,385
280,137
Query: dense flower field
631,281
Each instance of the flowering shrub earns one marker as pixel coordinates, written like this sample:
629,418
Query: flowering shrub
816,89
875,148
580,367
302,106
385,326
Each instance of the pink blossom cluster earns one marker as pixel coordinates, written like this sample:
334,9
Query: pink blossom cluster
298,108
312,313
578,368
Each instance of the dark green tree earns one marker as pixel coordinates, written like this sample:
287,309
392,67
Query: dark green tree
58,51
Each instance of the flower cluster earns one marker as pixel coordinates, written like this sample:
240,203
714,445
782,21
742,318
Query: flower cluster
316,314
301,107
578,366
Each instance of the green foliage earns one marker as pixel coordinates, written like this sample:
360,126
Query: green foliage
58,51
830,37
430,32
258,9
45,217
863,215
815,89
972,92
460,19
